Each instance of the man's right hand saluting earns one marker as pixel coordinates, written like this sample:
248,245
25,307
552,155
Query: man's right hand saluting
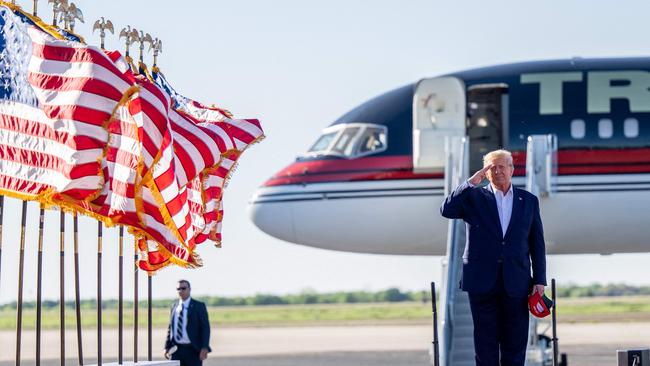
478,177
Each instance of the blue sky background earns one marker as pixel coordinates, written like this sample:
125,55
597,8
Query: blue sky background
297,66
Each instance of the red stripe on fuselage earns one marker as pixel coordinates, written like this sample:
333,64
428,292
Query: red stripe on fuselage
343,170
570,162
601,161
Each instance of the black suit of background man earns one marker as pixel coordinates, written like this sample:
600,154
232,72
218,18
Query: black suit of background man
197,328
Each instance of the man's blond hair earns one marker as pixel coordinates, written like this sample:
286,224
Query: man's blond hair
496,154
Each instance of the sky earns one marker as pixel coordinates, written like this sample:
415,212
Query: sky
297,66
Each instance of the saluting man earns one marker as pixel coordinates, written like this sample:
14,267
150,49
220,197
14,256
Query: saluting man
188,335
504,237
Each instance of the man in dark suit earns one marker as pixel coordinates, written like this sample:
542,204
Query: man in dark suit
504,237
189,329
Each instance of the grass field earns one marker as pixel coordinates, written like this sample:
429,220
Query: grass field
603,309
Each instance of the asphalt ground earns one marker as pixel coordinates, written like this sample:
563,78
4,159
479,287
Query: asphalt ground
593,355
585,344
309,359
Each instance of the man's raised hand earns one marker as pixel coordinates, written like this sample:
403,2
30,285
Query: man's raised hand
478,177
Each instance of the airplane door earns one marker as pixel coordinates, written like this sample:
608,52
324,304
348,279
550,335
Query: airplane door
438,111
487,120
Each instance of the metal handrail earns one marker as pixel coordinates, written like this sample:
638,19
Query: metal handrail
541,164
456,170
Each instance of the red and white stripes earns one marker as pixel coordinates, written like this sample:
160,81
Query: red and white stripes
102,141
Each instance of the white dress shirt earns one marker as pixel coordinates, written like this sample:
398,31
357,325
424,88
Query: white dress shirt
504,206
185,306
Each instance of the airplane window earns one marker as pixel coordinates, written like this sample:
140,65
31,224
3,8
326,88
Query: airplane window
578,129
344,143
323,142
372,140
631,128
350,140
605,128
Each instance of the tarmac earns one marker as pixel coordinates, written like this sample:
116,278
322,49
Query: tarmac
378,345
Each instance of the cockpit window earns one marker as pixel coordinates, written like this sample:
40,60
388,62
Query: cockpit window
323,142
350,140
345,142
372,140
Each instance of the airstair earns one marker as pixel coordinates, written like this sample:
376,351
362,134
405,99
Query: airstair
457,343
457,335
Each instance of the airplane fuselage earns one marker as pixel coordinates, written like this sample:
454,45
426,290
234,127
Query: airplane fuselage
374,181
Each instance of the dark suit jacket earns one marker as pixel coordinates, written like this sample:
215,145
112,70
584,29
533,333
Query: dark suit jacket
486,246
198,326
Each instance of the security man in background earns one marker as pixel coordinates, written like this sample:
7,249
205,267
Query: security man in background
188,335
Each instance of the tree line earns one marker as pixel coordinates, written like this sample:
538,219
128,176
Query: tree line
341,297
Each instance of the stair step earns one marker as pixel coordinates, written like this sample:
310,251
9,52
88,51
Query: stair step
465,363
465,330
463,342
464,323
464,357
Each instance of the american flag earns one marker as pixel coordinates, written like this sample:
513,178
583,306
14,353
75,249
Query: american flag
204,192
55,97
79,130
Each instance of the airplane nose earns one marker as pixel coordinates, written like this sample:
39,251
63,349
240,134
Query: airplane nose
272,216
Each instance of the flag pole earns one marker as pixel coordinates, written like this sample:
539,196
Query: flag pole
39,284
76,288
21,270
149,318
2,203
54,14
99,293
62,284
135,303
120,307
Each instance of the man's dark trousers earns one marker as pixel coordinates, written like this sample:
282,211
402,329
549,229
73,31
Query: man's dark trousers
188,355
509,328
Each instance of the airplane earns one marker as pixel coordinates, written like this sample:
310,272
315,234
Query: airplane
373,181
